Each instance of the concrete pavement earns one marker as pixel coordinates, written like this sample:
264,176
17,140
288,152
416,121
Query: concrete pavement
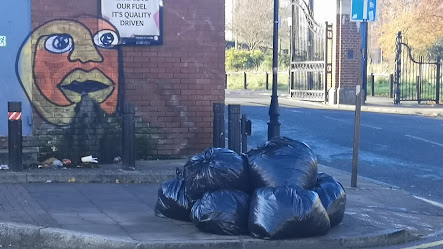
86,215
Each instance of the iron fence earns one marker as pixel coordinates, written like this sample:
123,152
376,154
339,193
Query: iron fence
415,79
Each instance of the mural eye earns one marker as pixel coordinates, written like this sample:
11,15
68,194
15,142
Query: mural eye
106,39
59,44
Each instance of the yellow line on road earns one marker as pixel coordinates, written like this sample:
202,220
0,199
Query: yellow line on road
428,245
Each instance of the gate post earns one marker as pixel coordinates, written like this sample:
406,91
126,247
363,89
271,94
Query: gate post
398,44
437,82
15,136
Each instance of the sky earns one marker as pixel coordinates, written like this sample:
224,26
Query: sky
325,10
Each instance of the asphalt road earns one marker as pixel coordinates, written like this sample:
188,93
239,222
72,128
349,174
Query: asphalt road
401,150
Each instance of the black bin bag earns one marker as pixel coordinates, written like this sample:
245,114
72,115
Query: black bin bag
222,212
286,212
332,196
215,169
172,200
282,162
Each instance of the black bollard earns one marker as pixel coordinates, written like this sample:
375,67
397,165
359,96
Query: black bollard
128,138
246,130
219,125
234,137
15,136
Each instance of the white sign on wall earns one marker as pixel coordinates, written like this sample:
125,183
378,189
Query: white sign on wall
137,21
2,41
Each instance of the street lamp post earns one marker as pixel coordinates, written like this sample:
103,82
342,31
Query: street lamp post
274,113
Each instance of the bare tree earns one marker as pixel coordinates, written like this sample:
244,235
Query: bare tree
253,22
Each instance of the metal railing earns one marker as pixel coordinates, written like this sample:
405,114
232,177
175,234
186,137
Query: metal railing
244,81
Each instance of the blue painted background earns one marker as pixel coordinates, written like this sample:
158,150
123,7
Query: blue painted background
15,24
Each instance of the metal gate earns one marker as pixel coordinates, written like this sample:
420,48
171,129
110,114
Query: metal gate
310,71
415,80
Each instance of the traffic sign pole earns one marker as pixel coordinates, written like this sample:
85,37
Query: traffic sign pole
364,52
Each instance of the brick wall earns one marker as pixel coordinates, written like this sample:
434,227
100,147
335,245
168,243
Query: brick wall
173,86
348,40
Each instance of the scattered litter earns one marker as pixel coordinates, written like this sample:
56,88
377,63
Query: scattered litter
48,163
48,181
58,163
4,167
89,159
72,180
117,159
44,166
66,161
117,181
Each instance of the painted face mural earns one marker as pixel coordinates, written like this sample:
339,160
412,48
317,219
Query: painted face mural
65,60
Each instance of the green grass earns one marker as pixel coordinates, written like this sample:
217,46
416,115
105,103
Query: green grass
381,87
408,89
256,81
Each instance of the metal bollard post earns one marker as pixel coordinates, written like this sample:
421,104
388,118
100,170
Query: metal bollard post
234,128
246,130
372,85
128,138
391,86
219,125
226,81
356,143
267,81
245,81
15,136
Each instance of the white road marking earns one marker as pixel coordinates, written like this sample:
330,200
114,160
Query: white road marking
296,111
434,203
424,140
348,122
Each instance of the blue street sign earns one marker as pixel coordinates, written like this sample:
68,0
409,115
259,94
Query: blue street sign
364,10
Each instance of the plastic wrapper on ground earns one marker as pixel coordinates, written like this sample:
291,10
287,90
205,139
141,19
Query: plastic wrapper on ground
286,212
282,162
172,200
222,212
332,196
215,169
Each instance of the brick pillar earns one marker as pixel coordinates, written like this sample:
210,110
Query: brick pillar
348,56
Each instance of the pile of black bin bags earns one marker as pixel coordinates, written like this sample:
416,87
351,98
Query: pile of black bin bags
271,192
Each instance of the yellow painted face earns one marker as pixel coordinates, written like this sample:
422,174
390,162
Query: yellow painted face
65,60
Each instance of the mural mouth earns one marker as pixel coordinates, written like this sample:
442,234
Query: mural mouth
85,87
79,83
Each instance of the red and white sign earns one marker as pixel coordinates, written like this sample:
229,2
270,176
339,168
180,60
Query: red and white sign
14,115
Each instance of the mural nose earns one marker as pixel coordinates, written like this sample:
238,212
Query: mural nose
85,52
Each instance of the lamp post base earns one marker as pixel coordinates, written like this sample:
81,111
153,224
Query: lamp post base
273,130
